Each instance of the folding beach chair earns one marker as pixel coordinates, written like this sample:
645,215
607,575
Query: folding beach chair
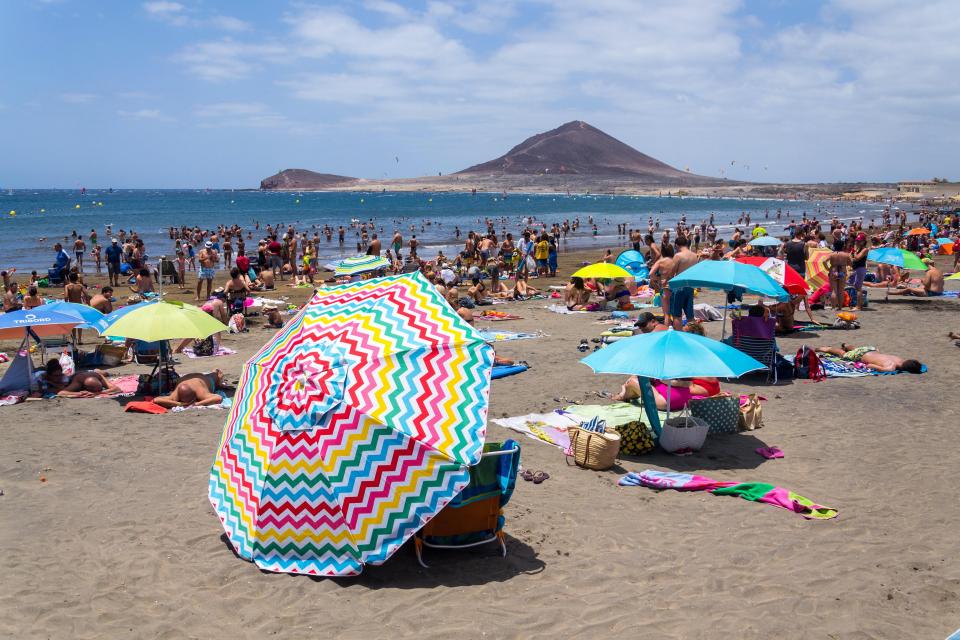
475,516
53,346
756,337
150,352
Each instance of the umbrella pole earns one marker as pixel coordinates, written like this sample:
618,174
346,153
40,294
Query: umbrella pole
669,388
723,327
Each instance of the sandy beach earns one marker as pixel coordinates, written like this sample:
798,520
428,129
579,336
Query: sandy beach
107,530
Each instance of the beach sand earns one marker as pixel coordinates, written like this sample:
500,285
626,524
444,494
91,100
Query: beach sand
120,540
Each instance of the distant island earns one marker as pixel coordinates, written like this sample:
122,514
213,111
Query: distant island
575,157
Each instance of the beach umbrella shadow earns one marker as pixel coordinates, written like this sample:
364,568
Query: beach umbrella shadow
734,451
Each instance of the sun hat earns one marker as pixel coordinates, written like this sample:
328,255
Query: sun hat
208,244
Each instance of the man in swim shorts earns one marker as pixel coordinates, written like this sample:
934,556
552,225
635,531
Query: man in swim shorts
932,283
208,270
875,360
194,389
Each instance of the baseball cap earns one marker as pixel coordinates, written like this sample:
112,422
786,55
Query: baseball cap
114,240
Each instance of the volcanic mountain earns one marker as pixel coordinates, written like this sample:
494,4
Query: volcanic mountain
296,179
577,148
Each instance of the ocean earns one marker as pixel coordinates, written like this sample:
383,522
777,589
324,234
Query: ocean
32,220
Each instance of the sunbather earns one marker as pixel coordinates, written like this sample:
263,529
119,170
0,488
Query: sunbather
198,389
83,384
680,391
577,295
875,360
932,283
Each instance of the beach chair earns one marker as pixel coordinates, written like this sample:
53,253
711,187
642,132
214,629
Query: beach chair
756,337
150,352
168,273
475,516
53,346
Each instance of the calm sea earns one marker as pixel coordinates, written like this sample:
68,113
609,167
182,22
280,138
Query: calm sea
43,217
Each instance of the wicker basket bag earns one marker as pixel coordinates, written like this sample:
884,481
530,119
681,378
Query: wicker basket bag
592,450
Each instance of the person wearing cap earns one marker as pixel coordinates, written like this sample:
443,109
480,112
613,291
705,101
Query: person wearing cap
932,283
114,255
208,268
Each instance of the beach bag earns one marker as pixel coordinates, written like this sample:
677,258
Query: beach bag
237,324
721,412
751,414
593,450
636,438
66,363
156,385
683,433
807,365
204,347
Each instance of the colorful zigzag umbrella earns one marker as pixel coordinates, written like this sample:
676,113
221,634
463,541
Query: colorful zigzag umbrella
352,428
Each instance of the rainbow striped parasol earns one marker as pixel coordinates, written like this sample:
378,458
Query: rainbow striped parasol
352,428
817,272
361,264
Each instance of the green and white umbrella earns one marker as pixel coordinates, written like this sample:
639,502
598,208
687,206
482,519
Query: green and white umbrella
361,264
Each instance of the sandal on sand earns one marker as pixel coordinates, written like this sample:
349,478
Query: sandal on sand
540,476
527,475
604,394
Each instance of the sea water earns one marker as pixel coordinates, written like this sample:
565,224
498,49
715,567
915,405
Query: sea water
31,221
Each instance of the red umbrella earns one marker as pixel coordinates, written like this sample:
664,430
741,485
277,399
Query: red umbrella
780,271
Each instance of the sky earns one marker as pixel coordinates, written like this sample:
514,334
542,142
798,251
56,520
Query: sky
210,93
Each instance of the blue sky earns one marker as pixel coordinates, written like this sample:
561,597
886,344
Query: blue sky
197,93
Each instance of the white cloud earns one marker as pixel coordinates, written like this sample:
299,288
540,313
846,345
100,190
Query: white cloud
172,12
77,98
144,114
228,59
229,23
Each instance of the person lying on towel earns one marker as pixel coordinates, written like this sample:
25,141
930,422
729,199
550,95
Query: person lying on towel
873,358
198,389
680,392
83,384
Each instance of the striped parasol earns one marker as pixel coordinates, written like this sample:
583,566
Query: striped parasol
352,428
817,273
361,264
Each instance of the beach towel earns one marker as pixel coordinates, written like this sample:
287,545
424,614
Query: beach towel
504,370
144,406
545,427
221,351
950,294
752,491
497,316
562,310
13,398
127,385
627,418
490,335
226,403
837,367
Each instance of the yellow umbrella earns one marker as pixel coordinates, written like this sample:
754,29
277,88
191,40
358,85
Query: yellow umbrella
602,270
165,320
955,276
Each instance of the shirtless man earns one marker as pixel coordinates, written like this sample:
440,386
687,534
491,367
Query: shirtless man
681,300
75,292
873,358
932,283
374,248
194,389
208,268
84,384
79,247
143,283
660,273
101,301
837,263
414,243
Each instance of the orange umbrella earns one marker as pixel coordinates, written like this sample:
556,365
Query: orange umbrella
919,231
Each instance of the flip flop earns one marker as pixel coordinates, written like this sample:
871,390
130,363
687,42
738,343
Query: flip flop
540,476
527,475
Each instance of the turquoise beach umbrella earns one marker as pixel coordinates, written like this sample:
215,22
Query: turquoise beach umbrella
896,257
765,241
670,355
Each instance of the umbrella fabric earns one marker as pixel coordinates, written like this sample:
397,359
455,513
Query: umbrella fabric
361,264
896,257
765,241
602,270
352,428
164,320
780,271
955,276
89,317
817,272
918,231
119,312
943,241
14,325
727,275
669,355
634,262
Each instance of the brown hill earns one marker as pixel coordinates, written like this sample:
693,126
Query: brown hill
295,179
580,149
